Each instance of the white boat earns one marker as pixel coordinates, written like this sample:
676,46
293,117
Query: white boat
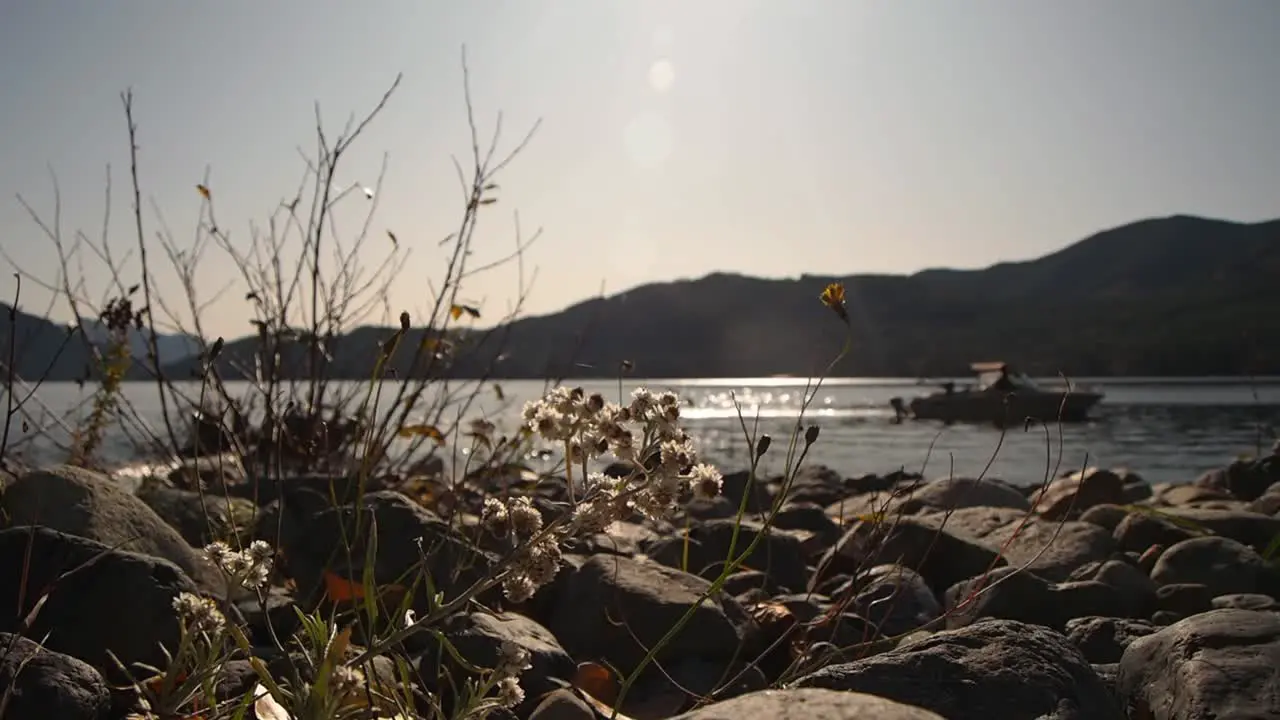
1001,395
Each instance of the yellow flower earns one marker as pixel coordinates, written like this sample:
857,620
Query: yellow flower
833,297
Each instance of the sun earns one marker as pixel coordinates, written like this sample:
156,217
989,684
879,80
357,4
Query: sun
661,75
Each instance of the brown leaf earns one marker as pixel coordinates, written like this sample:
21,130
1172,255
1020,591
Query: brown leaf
458,311
595,680
428,431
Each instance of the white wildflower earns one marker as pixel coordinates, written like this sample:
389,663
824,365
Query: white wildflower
251,567
260,552
525,518
217,552
677,454
518,588
594,516
705,481
495,517
513,659
199,614
346,681
509,692
542,561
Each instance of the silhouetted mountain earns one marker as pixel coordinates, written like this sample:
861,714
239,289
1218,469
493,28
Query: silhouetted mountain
1169,296
170,348
52,351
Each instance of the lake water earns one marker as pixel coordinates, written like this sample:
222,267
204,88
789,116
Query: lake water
1163,430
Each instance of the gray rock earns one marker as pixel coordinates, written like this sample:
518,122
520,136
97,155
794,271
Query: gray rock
43,684
808,704
1012,594
1105,516
685,683
1266,504
83,503
478,638
1107,673
217,517
614,609
1246,601
992,669
809,517
1139,531
820,485
1222,564
895,599
953,493
1136,586
1250,528
1103,639
778,553
1219,665
1184,598
313,541
562,705
620,538
1053,549
924,544
1183,495
757,491
115,602
747,580
1072,494
214,472
1137,490
1243,479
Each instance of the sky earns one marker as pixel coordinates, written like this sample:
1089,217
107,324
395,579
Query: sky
676,137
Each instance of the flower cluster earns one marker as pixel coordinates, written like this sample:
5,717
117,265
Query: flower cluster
537,558
250,567
512,661
645,432
346,681
198,614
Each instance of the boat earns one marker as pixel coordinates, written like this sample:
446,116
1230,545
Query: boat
1001,395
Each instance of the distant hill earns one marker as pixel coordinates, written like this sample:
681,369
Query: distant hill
1168,296
51,350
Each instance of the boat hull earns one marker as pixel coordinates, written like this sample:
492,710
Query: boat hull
1013,408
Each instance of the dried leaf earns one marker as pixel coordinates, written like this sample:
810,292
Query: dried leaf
428,431
603,709
457,311
204,191
266,707
432,343
488,201
340,589
338,646
595,680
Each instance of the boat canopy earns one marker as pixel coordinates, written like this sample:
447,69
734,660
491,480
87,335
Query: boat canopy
989,372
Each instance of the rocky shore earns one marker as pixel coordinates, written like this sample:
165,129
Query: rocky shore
1098,597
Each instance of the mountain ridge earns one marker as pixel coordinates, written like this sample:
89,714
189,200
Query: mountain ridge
1173,295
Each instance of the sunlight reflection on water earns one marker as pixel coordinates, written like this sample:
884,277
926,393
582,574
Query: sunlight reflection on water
1164,432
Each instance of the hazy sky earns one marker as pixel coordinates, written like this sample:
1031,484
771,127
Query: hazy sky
678,137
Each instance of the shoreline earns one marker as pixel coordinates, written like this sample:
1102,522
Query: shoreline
1097,577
